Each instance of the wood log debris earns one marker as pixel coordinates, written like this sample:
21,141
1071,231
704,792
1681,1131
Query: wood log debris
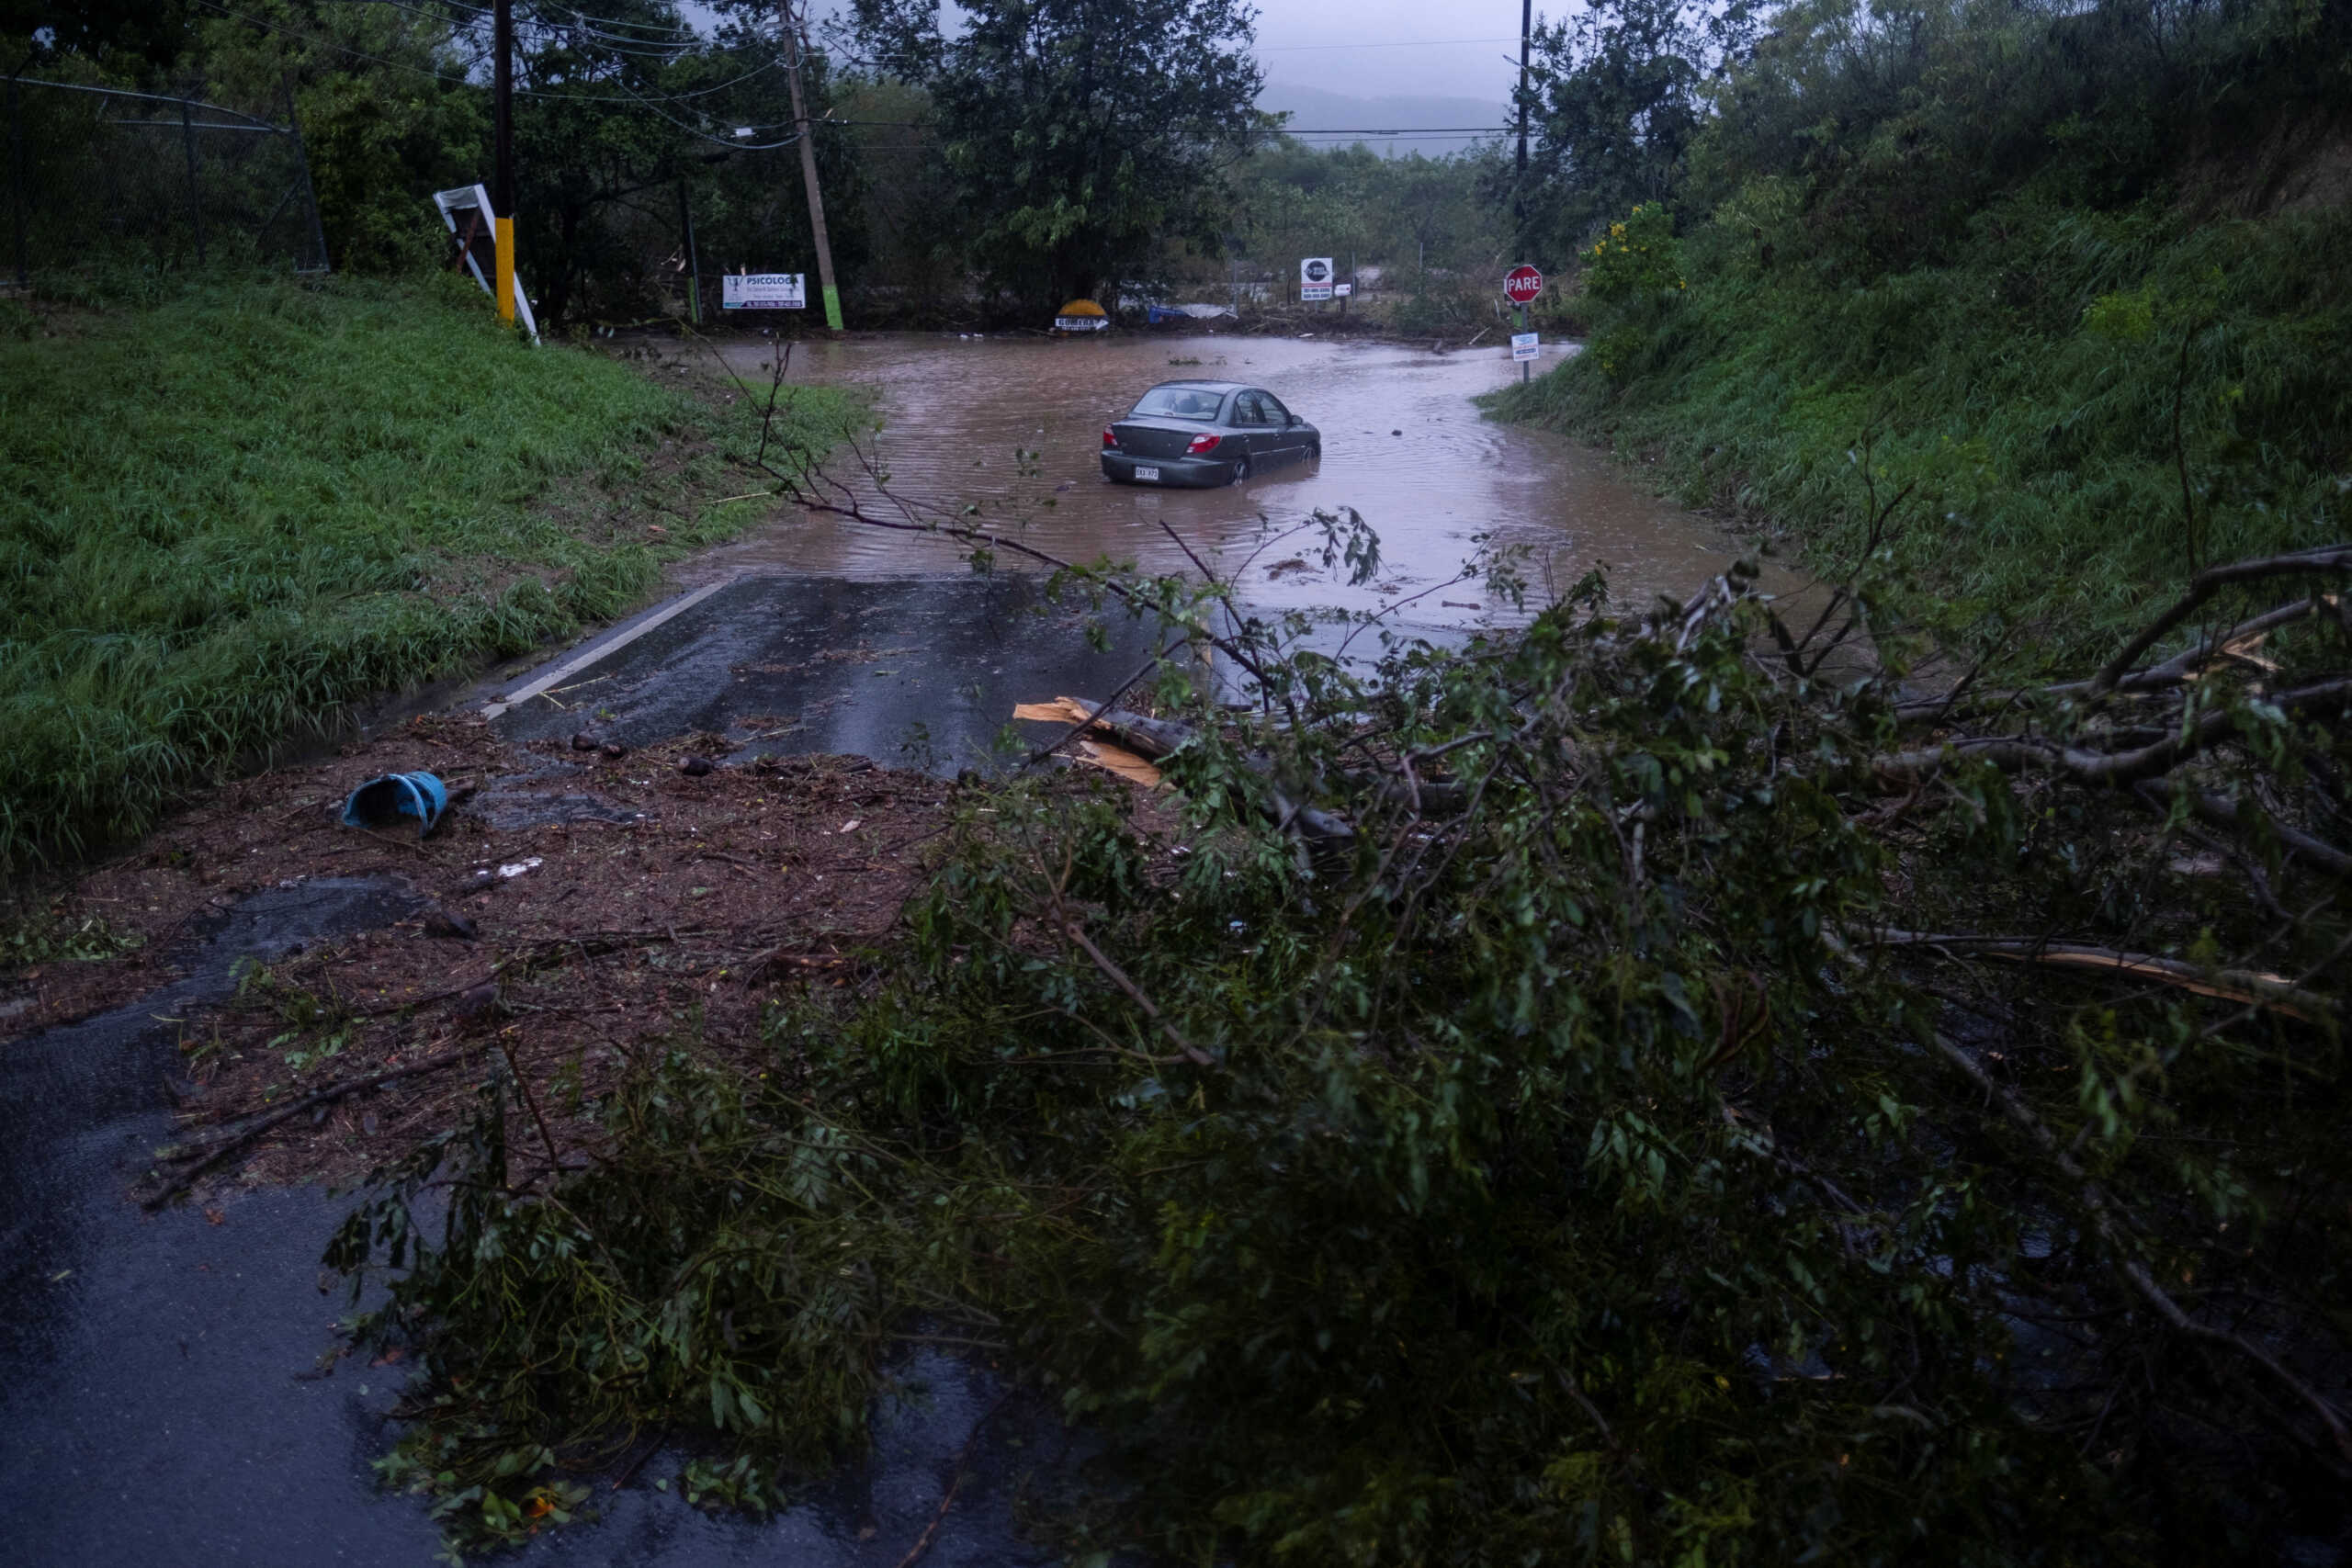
1152,740
205,1157
2275,992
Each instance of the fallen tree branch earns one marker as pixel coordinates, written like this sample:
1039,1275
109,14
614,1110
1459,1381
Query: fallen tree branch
2221,811
2273,991
2110,769
2211,580
2178,671
1075,730
2095,1203
1118,977
1154,739
245,1137
955,1483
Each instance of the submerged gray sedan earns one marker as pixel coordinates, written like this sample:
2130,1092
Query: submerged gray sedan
1206,433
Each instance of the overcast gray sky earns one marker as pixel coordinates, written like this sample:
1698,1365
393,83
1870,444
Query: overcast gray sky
1374,48
1392,48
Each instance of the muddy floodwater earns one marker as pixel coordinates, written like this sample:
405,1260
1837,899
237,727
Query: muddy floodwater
1015,425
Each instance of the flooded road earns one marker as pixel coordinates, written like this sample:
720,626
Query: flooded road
1402,444
160,1388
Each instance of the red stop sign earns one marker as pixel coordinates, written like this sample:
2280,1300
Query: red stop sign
1523,284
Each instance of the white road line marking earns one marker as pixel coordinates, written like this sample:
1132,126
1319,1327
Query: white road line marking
596,655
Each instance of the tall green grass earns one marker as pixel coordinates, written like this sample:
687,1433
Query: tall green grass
228,510
2026,393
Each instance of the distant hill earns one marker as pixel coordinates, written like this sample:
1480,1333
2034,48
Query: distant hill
1311,108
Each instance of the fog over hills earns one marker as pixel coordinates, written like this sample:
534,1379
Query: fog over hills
1313,108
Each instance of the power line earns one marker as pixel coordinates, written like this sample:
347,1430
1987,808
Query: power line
726,141
551,95
1385,43
674,29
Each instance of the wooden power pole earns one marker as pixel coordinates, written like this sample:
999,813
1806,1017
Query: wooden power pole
1519,189
793,39
501,195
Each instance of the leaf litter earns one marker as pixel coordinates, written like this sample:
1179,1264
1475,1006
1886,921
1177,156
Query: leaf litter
571,945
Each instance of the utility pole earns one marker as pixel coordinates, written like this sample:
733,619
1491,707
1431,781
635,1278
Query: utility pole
793,39
501,194
16,171
195,191
1518,190
693,262
303,156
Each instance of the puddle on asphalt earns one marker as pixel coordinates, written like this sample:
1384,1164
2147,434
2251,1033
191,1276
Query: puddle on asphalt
1404,445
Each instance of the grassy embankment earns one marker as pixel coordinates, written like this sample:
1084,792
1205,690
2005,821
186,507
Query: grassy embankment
2025,388
234,511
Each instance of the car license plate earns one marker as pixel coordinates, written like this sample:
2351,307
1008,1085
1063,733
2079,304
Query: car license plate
1146,475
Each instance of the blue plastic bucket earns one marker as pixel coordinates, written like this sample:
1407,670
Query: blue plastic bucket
382,802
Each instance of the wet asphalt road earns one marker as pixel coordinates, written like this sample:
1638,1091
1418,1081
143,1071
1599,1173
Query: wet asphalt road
920,672
159,1402
149,1407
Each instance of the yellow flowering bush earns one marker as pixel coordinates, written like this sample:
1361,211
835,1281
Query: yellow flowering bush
1639,255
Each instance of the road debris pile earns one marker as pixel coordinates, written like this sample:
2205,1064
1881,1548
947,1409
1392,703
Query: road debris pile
585,910
1676,1097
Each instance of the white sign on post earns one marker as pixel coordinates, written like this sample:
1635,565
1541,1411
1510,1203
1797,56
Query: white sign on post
1343,290
1314,274
1522,345
763,292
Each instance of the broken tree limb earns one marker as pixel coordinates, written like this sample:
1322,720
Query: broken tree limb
2221,811
2180,670
1154,739
1084,715
2111,768
2095,1203
2185,665
244,1138
2254,989
2211,580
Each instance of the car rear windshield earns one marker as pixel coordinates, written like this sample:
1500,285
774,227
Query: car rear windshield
1181,403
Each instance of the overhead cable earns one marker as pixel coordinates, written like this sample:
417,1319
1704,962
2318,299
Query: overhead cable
1385,43
550,94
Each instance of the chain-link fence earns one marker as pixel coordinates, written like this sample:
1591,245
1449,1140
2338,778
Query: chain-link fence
97,174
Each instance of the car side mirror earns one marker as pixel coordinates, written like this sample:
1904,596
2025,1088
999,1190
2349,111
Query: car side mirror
1290,421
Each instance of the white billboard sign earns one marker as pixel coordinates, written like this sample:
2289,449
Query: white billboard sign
763,292
1314,274
1522,345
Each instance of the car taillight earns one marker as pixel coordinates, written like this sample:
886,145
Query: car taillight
1110,436
1204,443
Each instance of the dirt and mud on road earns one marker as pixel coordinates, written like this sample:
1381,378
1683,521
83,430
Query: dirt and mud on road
573,912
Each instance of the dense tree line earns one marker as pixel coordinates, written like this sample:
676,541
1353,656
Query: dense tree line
1048,150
